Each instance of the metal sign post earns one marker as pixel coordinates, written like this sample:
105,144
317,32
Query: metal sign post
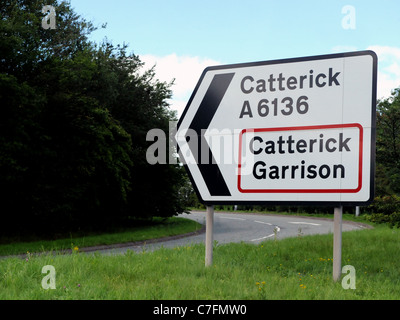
337,243
209,235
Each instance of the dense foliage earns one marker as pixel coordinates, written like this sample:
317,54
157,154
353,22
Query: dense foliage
388,145
74,118
386,206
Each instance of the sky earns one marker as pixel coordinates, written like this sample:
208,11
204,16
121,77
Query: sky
183,37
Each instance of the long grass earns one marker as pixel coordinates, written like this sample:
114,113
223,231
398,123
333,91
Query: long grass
293,268
157,229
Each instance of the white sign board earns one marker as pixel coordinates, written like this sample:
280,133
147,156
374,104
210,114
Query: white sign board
295,131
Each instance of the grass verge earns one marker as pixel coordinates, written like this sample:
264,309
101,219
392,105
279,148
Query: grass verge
292,268
345,216
157,229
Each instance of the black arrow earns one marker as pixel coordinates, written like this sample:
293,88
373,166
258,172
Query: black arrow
210,171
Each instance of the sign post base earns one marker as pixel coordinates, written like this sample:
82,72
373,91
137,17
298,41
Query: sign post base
209,235
337,243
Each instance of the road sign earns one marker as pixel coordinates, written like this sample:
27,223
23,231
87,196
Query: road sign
294,131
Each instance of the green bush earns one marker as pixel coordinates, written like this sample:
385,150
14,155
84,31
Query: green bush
392,219
385,209
395,220
378,218
385,204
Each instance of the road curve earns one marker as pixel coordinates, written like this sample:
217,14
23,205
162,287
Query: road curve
250,228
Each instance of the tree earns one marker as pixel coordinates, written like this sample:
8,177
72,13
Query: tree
140,105
73,125
64,158
388,145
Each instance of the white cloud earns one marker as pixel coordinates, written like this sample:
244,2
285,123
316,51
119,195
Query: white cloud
386,52
185,70
394,68
388,69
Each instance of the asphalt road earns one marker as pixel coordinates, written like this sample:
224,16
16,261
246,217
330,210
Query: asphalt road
250,228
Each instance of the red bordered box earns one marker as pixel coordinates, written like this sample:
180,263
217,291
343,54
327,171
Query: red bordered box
331,126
